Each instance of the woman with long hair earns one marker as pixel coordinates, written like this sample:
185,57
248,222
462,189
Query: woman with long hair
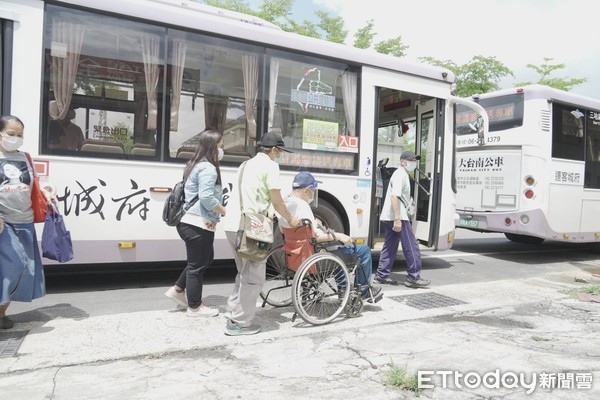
21,269
197,227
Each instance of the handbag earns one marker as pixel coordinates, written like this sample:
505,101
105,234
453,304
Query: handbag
255,233
411,208
56,239
39,203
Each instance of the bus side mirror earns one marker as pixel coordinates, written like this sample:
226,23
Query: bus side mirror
480,132
402,128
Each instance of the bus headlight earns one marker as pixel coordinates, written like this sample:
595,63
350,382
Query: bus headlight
524,219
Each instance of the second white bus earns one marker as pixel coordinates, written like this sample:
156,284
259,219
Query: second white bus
536,175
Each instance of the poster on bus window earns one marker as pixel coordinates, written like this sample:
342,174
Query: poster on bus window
319,135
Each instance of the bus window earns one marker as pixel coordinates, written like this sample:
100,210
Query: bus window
504,112
117,82
592,161
567,132
214,84
314,105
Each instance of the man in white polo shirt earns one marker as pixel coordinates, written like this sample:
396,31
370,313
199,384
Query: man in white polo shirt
260,188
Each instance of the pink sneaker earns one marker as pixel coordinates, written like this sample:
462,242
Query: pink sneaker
202,311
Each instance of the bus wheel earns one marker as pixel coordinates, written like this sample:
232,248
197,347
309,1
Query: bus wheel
523,238
327,215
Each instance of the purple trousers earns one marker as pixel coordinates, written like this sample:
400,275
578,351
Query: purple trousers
410,248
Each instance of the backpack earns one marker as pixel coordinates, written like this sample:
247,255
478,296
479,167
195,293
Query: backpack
174,207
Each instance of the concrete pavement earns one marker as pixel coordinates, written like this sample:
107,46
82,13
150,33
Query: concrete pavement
532,326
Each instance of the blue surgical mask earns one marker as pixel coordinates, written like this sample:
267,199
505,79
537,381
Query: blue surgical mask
278,158
220,154
411,166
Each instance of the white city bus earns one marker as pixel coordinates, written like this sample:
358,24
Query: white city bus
144,77
537,174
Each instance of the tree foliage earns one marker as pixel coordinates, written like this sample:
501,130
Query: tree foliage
363,38
479,75
327,26
332,26
274,11
545,69
393,46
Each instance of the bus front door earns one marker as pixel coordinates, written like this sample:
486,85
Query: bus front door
423,179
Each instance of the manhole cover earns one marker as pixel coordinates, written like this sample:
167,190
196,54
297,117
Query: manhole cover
424,301
10,342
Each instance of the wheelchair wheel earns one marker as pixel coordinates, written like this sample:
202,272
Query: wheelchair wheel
355,305
319,290
277,290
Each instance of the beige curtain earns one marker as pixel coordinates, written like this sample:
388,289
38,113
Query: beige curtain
349,93
150,54
273,76
67,38
215,111
177,67
250,72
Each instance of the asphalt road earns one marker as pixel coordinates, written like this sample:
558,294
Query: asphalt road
475,257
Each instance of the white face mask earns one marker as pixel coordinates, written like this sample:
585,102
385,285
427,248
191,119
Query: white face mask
220,154
411,166
11,143
312,196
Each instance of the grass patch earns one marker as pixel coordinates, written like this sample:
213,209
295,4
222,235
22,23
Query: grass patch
593,289
400,377
540,339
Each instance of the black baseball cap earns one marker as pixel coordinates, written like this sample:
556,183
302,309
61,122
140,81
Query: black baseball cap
272,139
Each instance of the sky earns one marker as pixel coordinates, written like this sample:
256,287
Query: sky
516,32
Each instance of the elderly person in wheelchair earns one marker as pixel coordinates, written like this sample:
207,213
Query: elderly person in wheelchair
298,204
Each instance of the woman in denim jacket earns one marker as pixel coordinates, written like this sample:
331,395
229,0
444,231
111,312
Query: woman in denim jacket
197,227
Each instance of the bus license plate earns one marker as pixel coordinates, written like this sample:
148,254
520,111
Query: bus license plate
469,223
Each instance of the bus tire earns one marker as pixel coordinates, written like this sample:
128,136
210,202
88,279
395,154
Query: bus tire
513,237
329,216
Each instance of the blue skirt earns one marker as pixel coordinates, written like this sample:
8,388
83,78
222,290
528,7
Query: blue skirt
21,269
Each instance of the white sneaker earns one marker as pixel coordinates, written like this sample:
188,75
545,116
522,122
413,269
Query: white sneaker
177,297
202,311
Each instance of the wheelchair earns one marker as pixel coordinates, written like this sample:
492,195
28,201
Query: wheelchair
313,277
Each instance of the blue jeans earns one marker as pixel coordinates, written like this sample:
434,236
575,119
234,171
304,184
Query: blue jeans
410,248
364,270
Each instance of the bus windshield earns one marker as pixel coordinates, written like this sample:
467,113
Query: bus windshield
504,112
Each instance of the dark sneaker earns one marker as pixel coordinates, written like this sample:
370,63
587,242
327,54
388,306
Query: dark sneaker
386,281
233,329
6,323
377,294
419,283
